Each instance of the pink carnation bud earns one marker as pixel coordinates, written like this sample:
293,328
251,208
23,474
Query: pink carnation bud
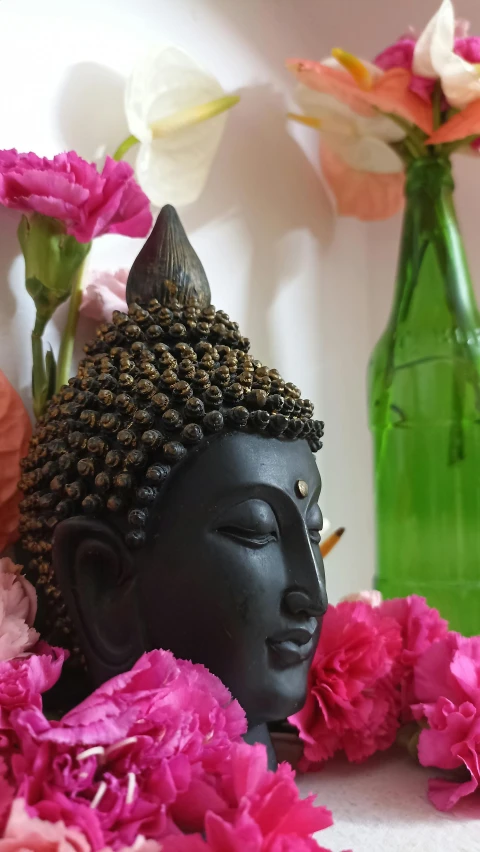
104,294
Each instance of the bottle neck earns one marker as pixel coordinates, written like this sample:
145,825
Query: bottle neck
433,282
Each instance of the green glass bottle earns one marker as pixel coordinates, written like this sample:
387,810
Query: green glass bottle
424,408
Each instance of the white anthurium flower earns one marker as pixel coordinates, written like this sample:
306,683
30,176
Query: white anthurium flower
362,143
175,109
434,58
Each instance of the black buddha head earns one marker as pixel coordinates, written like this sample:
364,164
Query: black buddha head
171,496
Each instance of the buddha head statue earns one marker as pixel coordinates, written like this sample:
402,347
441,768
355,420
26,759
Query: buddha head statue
171,496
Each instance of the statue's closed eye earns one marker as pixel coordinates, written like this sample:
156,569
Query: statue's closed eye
252,523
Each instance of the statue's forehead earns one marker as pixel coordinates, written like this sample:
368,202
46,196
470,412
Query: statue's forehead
238,462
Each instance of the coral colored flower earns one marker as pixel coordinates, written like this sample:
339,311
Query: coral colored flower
439,56
68,188
368,196
420,626
176,110
351,144
24,833
351,703
447,687
104,294
18,606
388,92
461,126
15,432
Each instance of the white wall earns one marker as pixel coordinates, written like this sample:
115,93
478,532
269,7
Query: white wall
311,291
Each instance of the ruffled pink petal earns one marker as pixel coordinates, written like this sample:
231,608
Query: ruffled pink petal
71,190
366,195
445,794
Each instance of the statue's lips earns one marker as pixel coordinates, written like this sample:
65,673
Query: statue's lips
293,647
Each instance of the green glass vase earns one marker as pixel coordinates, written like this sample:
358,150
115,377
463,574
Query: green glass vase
424,410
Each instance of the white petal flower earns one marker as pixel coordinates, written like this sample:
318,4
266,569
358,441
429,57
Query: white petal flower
434,57
173,108
361,142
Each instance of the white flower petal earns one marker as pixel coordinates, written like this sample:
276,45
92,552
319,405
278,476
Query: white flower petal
381,127
165,81
334,115
366,154
460,82
339,118
317,104
174,169
435,43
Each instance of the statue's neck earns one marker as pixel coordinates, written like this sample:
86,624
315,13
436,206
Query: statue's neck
260,734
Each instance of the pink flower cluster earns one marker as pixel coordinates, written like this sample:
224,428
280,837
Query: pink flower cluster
361,679
400,55
447,689
68,188
154,755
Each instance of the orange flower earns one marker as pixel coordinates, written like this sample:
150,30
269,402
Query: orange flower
463,124
15,431
365,88
366,195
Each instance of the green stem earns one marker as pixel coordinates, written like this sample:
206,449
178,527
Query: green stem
68,337
125,146
415,136
39,376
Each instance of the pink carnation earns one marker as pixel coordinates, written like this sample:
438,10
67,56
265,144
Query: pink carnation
352,703
447,687
420,626
18,607
104,294
265,812
400,55
71,190
25,678
24,833
142,753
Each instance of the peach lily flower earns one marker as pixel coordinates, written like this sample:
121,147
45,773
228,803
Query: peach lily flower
434,58
365,88
364,172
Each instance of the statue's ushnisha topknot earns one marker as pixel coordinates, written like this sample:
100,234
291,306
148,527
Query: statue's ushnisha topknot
167,268
154,384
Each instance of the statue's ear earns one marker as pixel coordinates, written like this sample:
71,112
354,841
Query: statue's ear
94,570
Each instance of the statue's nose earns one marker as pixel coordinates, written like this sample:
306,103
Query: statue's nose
308,599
